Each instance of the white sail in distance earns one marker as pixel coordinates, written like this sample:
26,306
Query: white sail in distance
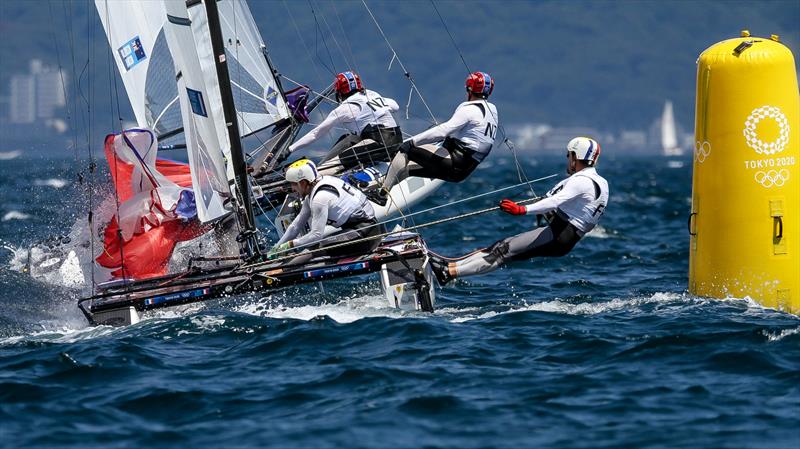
135,32
206,136
669,138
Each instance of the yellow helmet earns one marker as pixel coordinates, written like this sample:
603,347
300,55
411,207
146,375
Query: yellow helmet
302,169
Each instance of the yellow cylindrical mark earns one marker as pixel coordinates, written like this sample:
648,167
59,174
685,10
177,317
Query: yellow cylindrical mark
745,219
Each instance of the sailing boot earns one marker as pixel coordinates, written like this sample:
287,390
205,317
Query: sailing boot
440,270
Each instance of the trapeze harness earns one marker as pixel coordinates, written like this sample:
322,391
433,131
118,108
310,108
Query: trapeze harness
467,147
372,120
351,212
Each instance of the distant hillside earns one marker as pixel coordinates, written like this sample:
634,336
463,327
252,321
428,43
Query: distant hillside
608,64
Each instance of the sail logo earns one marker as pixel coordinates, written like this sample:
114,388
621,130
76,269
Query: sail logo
778,124
196,100
132,53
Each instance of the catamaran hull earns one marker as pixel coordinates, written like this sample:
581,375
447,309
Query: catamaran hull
402,262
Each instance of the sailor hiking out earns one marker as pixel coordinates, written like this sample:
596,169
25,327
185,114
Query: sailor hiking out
573,207
327,200
372,133
465,141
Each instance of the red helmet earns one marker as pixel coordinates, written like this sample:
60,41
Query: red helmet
480,84
347,83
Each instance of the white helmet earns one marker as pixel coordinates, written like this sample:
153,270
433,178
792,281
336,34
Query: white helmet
585,149
302,169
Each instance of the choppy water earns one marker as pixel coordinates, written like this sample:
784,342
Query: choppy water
602,348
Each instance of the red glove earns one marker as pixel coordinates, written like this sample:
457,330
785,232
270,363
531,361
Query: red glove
512,208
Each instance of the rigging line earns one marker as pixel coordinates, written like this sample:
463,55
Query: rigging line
115,96
317,35
344,33
317,93
399,61
506,141
438,207
386,234
305,45
336,41
451,36
384,148
64,90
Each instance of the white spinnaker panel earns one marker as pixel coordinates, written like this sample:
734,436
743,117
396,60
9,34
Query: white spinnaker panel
135,33
255,91
201,108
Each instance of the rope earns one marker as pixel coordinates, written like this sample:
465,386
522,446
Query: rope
506,141
428,210
385,234
402,66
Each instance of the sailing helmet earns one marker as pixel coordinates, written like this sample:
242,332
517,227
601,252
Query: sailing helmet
346,83
480,84
300,170
585,149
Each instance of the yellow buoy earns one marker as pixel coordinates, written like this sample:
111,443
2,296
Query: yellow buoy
745,219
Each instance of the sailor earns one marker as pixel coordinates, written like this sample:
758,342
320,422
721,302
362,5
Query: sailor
364,114
573,207
327,200
465,140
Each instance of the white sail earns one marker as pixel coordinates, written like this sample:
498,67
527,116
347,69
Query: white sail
201,108
258,100
135,32
669,139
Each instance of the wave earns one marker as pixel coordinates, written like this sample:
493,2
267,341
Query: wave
15,215
55,183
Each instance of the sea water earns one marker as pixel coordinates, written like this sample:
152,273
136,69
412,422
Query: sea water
603,348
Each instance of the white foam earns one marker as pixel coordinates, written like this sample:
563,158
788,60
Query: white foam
600,232
675,164
8,155
15,215
771,336
62,335
55,183
345,311
583,308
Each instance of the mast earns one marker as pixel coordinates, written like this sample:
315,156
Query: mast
242,186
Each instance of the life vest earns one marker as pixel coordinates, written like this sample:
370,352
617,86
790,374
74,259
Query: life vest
584,211
371,109
351,206
479,134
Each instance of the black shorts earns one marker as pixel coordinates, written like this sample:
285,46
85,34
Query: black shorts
455,168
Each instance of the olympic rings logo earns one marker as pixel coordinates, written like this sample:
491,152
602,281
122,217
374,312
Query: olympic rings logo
771,178
751,124
702,151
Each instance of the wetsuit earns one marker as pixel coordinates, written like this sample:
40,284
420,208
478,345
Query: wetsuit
574,205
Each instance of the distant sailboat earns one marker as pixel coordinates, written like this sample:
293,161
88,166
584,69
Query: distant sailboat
669,139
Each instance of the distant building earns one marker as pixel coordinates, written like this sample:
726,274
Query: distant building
22,104
37,95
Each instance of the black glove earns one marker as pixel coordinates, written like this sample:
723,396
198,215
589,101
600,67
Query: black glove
406,146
